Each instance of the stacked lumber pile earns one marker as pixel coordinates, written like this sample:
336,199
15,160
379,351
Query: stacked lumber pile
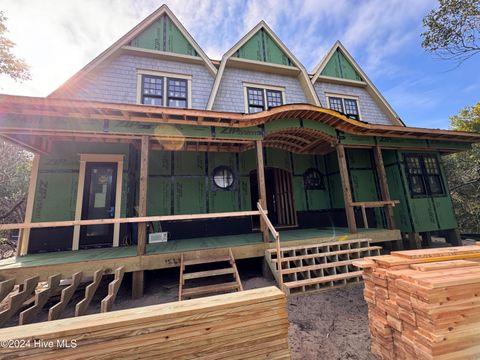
424,304
250,324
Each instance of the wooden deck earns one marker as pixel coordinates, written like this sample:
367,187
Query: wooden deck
167,255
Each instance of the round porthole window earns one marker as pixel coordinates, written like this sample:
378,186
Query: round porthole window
223,177
313,180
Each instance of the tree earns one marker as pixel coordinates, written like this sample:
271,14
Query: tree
10,65
453,30
463,173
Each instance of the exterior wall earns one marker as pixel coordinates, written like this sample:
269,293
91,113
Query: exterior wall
230,95
369,109
416,214
116,81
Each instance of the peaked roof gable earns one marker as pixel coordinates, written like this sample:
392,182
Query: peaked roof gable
339,64
262,47
139,37
276,50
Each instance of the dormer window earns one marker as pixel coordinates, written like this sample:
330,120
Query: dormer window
260,98
162,89
344,105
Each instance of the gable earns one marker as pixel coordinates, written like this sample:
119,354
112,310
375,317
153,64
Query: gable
164,35
261,47
338,66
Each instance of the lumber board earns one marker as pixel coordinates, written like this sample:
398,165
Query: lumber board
208,289
6,287
56,310
113,287
90,290
15,302
306,282
41,297
208,273
205,328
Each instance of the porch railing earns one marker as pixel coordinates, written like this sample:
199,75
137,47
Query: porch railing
276,236
363,205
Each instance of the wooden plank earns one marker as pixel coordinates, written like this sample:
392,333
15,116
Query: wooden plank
142,194
331,253
235,270
208,273
90,290
324,279
347,193
444,265
6,287
181,281
439,252
65,297
138,284
107,302
383,182
16,301
209,289
41,297
22,247
364,217
205,260
262,192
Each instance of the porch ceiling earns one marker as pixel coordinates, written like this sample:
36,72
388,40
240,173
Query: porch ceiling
53,108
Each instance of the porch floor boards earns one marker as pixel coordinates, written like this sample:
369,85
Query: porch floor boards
173,246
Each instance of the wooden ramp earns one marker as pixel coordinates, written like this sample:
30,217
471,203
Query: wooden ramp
321,266
221,267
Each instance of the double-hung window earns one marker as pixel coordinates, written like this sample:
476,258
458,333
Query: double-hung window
163,90
260,99
424,176
347,106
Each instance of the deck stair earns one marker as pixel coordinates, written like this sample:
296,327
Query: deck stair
218,272
321,266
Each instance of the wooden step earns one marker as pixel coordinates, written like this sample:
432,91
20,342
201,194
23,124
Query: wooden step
323,279
317,267
340,252
205,260
208,273
334,243
209,289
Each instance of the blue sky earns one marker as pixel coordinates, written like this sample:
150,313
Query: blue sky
58,37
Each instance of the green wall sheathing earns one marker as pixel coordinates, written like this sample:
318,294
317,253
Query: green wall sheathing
281,124
261,47
247,162
164,35
56,189
338,66
416,214
278,159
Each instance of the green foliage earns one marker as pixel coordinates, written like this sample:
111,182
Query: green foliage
453,30
14,177
463,173
10,65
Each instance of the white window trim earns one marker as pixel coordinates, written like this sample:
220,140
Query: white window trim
342,96
84,158
264,87
188,77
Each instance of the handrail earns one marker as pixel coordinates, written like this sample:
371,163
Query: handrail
36,225
276,236
372,204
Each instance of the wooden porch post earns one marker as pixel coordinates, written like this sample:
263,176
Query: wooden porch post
347,192
262,192
382,178
138,276
24,235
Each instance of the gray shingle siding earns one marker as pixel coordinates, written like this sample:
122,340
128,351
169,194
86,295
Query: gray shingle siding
116,80
230,95
369,109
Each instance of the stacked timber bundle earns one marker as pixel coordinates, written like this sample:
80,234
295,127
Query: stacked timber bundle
424,304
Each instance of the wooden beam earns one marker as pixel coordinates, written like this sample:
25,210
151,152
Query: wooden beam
142,196
262,192
67,293
6,287
107,302
138,279
383,182
17,300
347,192
90,290
22,247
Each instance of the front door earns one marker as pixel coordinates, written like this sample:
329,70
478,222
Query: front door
280,202
98,203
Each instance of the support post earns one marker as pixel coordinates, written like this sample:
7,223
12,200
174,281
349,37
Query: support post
414,241
347,192
382,179
24,236
138,276
262,192
426,239
453,237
